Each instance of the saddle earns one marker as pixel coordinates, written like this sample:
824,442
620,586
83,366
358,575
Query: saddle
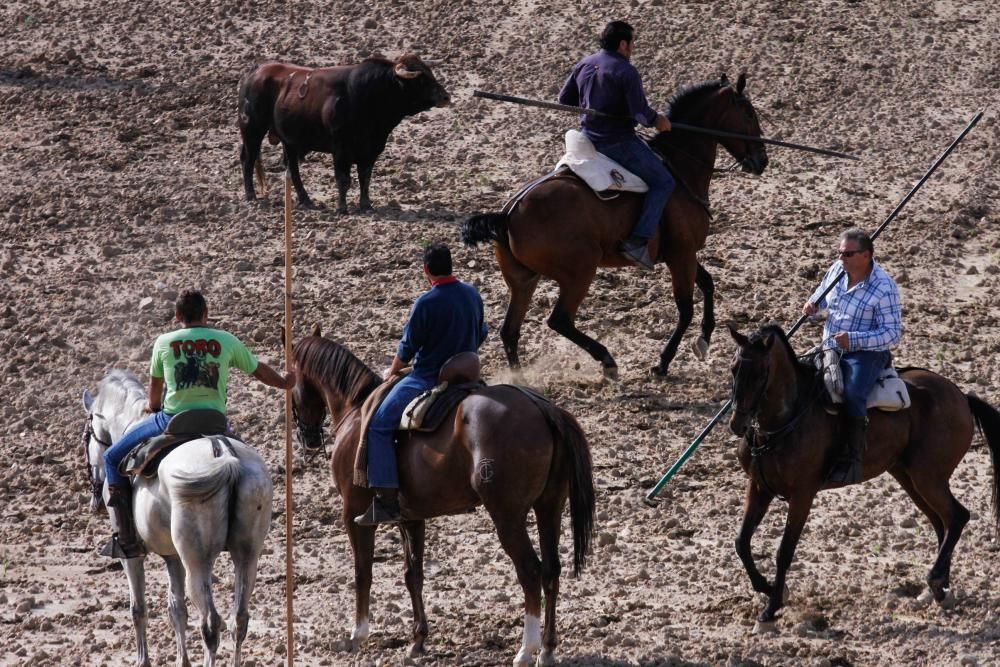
183,427
459,377
889,393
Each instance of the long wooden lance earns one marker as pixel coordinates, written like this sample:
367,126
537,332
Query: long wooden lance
650,498
674,126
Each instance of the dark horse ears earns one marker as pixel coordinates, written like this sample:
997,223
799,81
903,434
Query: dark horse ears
740,339
316,330
723,79
741,83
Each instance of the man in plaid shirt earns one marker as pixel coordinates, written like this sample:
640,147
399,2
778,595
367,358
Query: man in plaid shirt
865,323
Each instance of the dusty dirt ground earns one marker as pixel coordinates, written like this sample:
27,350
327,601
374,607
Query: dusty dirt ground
120,185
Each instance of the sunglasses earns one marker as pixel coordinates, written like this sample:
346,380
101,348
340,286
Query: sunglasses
850,253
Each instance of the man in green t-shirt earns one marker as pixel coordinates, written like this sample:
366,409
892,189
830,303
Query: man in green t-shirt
192,364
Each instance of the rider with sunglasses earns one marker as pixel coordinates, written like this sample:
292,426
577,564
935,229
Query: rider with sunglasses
864,322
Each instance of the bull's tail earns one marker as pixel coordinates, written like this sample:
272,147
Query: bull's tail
485,227
219,475
988,419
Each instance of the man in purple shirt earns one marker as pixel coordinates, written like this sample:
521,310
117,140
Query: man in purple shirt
606,81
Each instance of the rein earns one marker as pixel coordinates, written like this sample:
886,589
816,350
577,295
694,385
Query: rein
96,485
305,432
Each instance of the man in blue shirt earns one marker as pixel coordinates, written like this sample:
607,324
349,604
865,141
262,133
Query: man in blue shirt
445,320
864,323
606,81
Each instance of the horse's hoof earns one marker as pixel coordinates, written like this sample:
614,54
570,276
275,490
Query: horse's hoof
308,206
765,628
700,348
342,210
610,372
658,371
546,658
948,601
416,651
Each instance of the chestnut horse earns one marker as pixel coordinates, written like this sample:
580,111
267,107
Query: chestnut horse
560,230
791,442
502,449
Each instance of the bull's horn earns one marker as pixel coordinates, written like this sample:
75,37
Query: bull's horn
403,73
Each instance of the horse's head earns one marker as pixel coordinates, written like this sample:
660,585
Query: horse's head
737,114
96,440
751,370
309,411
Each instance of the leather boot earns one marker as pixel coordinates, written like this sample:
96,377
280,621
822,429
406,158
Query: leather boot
849,469
384,509
125,542
637,251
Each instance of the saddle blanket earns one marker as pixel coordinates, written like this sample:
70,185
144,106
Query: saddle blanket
596,170
889,393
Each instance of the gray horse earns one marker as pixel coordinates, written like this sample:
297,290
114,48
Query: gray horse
197,507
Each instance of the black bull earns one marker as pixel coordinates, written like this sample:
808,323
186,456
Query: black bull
347,111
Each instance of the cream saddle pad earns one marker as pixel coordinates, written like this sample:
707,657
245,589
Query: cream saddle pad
596,170
888,394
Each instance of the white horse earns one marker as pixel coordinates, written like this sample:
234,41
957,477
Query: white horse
196,507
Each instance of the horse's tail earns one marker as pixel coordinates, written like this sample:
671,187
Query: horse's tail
220,475
485,227
574,445
988,420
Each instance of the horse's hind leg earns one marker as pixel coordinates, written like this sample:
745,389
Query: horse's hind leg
549,514
413,552
704,282
904,481
245,570
200,590
515,541
682,274
571,294
521,283
177,606
937,494
136,573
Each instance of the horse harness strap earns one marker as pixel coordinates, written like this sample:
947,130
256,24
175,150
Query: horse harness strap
684,184
96,485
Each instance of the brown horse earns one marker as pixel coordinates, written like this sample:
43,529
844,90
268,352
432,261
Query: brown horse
502,449
560,230
791,442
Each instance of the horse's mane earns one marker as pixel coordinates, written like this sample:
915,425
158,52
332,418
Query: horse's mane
119,388
779,333
689,97
329,363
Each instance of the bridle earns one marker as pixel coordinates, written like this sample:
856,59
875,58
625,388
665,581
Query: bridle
306,433
96,485
753,410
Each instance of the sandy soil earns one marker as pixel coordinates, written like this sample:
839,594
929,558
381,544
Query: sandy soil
120,185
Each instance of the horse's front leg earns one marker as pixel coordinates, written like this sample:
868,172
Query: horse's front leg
754,509
135,570
363,546
704,282
413,552
682,274
177,606
798,511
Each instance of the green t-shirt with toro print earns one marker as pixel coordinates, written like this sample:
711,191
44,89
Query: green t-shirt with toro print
194,364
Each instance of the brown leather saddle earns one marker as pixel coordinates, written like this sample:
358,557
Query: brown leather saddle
183,427
459,377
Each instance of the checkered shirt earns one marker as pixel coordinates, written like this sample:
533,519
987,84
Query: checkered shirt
870,311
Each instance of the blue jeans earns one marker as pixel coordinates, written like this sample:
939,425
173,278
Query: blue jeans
382,470
637,157
150,427
860,371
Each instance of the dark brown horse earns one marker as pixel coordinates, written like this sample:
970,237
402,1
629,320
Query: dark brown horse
502,449
792,441
562,231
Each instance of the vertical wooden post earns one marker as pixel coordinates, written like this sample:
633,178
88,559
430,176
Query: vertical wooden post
289,505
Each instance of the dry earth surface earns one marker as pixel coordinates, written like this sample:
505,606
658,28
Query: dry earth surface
120,185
